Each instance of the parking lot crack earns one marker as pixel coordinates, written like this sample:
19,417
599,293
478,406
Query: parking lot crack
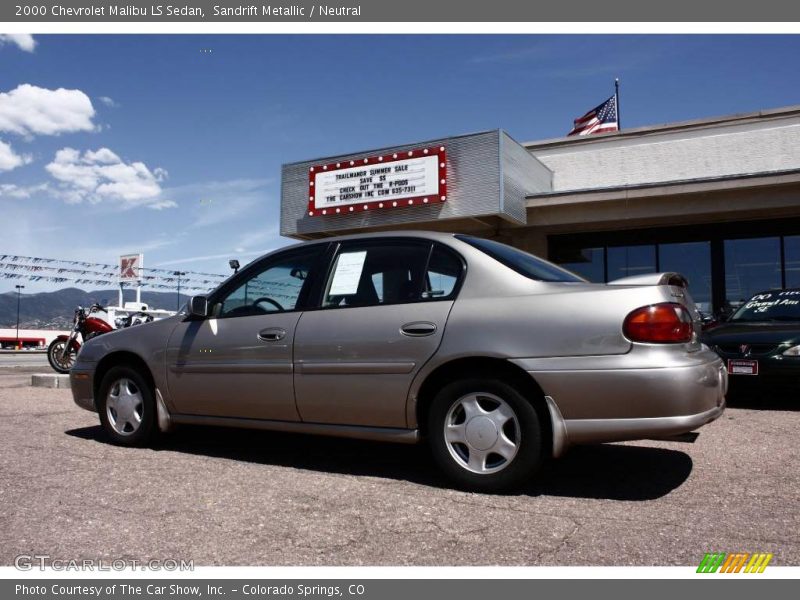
561,544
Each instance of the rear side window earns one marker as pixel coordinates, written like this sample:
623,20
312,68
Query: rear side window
369,275
395,272
523,263
442,275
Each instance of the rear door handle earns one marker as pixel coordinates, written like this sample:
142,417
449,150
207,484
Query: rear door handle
418,329
272,334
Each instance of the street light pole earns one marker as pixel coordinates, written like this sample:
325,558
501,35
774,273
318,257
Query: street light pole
179,274
19,292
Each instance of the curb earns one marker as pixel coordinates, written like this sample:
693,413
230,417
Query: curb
50,380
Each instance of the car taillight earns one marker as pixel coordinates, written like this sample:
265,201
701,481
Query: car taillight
664,323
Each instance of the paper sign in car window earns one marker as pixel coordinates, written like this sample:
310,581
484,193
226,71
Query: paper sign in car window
348,273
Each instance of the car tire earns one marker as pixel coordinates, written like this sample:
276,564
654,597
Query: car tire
485,435
127,407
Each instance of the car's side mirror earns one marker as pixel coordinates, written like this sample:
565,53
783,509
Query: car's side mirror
198,306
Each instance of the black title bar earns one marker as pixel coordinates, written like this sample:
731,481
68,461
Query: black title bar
463,11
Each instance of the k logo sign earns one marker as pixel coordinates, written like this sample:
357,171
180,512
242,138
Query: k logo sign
130,266
127,268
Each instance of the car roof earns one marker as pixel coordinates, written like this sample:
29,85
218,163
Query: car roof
438,236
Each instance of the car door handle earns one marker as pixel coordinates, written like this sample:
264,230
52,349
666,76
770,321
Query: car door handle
272,334
418,329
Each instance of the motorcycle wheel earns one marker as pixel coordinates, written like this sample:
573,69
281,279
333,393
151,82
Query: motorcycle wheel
60,361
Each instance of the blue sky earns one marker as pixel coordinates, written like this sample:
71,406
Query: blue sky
172,145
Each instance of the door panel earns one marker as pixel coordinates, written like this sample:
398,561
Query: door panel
354,365
238,363
222,367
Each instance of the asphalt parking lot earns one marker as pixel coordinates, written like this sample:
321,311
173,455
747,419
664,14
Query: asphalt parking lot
230,497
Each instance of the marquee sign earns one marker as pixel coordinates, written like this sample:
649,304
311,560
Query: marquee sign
393,180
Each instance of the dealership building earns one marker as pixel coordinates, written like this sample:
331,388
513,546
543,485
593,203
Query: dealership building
716,199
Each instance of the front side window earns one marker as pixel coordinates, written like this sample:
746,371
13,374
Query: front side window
384,273
277,287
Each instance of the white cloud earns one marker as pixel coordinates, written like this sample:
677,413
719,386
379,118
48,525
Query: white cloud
108,101
10,159
95,176
24,41
12,190
30,110
257,238
211,257
212,203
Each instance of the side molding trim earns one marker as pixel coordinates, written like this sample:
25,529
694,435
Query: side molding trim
380,434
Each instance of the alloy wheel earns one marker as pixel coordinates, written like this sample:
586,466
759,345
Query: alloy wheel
124,407
482,433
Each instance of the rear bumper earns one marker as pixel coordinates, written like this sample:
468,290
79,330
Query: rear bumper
623,402
81,382
589,431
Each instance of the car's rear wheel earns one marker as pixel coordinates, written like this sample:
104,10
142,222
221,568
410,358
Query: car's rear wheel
126,403
485,435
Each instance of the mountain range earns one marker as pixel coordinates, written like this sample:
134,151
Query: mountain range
54,310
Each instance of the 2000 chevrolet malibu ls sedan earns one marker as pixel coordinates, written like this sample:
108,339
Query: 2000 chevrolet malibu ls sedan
496,357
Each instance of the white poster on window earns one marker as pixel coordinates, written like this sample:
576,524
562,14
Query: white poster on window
348,273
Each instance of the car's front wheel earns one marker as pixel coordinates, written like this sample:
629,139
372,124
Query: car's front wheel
485,435
126,403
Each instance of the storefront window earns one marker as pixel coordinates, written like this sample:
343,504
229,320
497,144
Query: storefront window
751,265
625,261
586,262
791,251
693,261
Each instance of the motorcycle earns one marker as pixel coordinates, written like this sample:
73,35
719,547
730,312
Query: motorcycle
62,351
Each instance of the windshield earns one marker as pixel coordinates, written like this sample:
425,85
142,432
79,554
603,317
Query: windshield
523,263
780,305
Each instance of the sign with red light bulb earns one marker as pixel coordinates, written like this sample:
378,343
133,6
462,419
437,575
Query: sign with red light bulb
393,180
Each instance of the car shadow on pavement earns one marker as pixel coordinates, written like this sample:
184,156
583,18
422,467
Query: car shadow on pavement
605,471
614,472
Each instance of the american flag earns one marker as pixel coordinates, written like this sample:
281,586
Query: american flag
600,119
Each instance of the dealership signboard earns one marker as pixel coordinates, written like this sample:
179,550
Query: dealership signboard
423,184
393,180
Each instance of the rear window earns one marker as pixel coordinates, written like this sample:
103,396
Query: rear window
523,263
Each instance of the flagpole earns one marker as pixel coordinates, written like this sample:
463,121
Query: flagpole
616,100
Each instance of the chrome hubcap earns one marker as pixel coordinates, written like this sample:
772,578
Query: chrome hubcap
124,407
482,433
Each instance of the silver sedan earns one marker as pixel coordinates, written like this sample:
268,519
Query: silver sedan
497,358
